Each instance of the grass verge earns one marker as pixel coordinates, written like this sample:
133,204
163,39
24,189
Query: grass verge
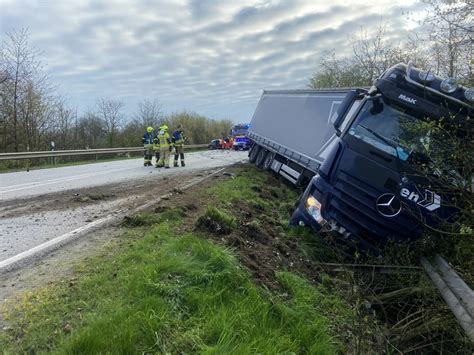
172,286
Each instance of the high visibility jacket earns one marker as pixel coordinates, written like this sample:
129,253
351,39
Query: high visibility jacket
165,139
148,138
179,138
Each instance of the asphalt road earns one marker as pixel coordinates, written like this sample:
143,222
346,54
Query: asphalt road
40,205
24,184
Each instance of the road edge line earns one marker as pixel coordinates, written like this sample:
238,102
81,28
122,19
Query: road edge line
23,258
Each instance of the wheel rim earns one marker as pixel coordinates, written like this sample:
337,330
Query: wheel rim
268,160
253,153
261,158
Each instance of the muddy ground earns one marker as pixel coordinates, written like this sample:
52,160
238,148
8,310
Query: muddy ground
90,204
260,248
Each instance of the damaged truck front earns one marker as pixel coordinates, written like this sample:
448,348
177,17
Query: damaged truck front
379,174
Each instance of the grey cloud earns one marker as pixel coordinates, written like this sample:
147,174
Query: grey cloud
214,57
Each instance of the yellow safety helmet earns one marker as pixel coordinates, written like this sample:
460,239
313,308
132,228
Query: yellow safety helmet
164,127
149,129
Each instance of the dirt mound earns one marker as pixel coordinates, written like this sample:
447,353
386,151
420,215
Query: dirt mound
216,222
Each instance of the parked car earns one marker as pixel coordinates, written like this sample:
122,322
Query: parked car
215,144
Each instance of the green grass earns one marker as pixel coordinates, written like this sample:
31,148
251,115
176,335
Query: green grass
216,221
163,291
271,200
169,293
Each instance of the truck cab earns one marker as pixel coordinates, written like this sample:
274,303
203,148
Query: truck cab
380,181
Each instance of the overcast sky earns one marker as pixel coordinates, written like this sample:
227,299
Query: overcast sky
210,57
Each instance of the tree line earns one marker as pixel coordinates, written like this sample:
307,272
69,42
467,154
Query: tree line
442,44
32,114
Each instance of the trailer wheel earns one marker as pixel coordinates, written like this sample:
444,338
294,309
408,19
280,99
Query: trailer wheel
253,153
267,163
262,154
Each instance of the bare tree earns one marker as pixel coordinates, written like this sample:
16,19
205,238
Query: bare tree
451,24
22,69
372,55
149,113
91,131
109,111
64,124
370,52
337,72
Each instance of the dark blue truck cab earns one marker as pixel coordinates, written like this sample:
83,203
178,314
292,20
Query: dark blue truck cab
374,184
369,189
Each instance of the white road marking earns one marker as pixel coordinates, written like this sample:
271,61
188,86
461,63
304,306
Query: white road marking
10,263
5,264
59,180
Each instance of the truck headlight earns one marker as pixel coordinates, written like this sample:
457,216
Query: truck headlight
313,207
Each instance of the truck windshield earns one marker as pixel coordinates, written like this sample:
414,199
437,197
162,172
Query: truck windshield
239,132
393,130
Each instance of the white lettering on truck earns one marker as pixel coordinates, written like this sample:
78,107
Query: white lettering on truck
431,201
407,99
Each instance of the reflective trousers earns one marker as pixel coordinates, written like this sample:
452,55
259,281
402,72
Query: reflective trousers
164,157
179,154
148,154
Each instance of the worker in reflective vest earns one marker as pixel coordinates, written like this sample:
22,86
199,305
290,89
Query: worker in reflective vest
156,147
165,147
147,140
179,139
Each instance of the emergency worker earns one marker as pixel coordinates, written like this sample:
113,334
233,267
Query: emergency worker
156,147
165,147
179,139
148,140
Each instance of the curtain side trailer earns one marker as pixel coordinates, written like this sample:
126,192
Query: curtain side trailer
293,131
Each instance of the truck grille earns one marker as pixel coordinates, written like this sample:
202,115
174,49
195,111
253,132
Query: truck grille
353,206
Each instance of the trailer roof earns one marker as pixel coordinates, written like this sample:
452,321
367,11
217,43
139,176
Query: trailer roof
308,91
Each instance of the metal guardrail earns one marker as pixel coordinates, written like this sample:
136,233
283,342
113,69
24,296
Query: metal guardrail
457,294
64,153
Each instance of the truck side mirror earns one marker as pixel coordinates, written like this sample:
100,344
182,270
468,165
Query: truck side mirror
342,110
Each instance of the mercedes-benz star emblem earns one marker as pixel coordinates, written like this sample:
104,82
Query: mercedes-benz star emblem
388,205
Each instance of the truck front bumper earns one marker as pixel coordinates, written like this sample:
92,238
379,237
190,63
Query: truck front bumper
301,217
310,209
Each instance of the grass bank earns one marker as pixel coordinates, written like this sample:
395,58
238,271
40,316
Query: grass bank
186,278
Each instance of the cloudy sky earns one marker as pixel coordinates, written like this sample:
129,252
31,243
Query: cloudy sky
210,57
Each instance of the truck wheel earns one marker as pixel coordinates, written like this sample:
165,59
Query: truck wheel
262,154
268,161
253,154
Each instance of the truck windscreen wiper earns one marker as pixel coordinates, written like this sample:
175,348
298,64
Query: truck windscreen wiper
386,141
379,136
